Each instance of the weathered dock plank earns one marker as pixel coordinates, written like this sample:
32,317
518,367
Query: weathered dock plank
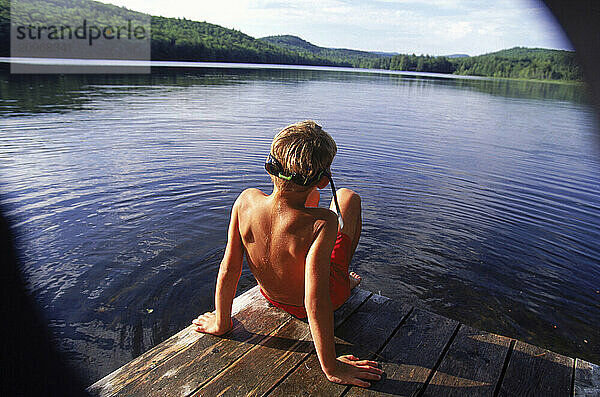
265,364
113,383
533,371
192,367
472,365
363,334
587,379
410,356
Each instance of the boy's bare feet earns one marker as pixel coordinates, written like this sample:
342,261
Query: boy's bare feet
355,279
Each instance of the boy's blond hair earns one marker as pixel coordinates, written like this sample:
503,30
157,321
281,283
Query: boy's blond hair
304,148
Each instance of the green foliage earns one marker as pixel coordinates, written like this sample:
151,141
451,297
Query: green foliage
525,63
182,39
45,12
422,63
4,28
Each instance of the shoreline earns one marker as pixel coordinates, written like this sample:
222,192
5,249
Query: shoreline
244,65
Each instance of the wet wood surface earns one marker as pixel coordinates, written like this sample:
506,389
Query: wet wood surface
269,352
587,379
533,371
472,365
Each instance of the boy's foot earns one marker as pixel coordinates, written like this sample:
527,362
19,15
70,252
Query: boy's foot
355,279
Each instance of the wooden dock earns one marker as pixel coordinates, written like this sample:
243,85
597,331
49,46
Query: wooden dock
269,352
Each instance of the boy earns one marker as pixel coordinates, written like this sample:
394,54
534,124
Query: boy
296,251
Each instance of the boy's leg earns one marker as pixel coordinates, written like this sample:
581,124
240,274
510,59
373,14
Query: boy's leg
350,206
341,281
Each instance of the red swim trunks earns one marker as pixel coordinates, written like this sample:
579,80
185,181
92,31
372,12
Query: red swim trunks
339,285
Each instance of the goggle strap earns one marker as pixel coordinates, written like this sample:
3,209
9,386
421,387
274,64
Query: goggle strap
335,200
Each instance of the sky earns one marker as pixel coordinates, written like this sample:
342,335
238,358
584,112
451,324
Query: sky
433,27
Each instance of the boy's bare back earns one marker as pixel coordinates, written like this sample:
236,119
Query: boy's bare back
277,236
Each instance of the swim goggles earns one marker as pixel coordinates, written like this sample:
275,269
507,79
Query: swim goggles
274,167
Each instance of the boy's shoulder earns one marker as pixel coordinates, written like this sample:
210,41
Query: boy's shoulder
248,197
250,194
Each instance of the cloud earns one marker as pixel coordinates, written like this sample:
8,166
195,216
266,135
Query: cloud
429,26
459,30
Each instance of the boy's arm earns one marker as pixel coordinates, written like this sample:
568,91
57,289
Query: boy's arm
345,369
219,321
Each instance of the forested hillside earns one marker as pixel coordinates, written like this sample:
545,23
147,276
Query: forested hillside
354,58
518,62
183,39
172,38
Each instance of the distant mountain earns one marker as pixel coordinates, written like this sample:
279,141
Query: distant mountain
457,56
344,55
298,44
385,53
292,43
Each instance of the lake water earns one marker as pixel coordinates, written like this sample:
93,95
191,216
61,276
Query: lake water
481,198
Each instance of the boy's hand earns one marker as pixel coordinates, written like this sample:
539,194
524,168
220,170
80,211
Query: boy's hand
350,370
207,323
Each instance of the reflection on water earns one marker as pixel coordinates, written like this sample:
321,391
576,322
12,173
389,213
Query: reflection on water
526,89
480,197
57,93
